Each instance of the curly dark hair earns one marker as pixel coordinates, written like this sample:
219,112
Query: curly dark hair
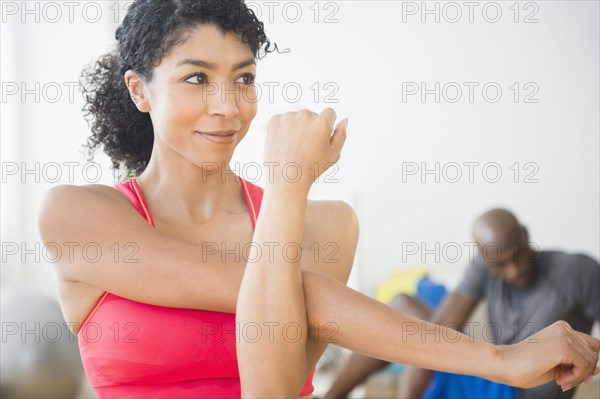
150,30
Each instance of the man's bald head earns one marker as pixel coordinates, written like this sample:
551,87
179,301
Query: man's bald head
503,243
500,227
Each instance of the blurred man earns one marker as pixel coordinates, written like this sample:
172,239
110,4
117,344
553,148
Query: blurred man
526,291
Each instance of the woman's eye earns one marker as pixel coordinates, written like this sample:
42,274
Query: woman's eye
201,78
195,79
248,78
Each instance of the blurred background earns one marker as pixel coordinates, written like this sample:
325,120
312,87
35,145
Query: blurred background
454,109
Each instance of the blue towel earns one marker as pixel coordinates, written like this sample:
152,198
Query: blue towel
430,292
456,386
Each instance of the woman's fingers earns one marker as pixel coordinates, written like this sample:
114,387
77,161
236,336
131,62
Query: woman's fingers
579,360
568,375
592,347
589,347
556,353
330,116
593,343
339,137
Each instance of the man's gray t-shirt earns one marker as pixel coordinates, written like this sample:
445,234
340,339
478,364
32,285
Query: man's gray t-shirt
565,287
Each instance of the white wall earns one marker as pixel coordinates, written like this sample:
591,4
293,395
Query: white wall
44,48
368,56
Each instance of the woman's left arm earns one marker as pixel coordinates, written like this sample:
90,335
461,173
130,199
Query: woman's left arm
273,362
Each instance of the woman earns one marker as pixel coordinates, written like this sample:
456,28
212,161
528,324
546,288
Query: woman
198,301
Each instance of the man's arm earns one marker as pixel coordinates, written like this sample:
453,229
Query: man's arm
454,312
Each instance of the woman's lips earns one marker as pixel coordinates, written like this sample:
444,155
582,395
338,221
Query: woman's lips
225,137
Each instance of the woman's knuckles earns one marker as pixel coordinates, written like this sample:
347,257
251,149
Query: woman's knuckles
302,131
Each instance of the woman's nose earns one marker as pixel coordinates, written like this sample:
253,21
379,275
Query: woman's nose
222,99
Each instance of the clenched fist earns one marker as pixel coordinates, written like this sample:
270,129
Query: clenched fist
301,146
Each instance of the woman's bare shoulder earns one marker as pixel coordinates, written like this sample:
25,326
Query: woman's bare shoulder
331,222
330,238
66,196
75,191
90,214
331,217
69,204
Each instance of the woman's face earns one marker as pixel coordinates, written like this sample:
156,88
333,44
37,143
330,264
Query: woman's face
202,97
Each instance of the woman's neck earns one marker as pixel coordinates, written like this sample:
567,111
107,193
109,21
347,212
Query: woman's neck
188,194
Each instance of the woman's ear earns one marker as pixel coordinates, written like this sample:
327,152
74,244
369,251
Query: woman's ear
135,85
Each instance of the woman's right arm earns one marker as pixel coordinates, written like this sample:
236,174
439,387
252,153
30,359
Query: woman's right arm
103,242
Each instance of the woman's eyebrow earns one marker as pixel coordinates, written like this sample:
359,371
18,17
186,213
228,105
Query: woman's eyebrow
211,66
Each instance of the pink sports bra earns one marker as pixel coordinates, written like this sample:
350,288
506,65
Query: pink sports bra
131,349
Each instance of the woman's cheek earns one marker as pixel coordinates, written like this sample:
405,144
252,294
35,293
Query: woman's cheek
185,109
248,109
249,95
